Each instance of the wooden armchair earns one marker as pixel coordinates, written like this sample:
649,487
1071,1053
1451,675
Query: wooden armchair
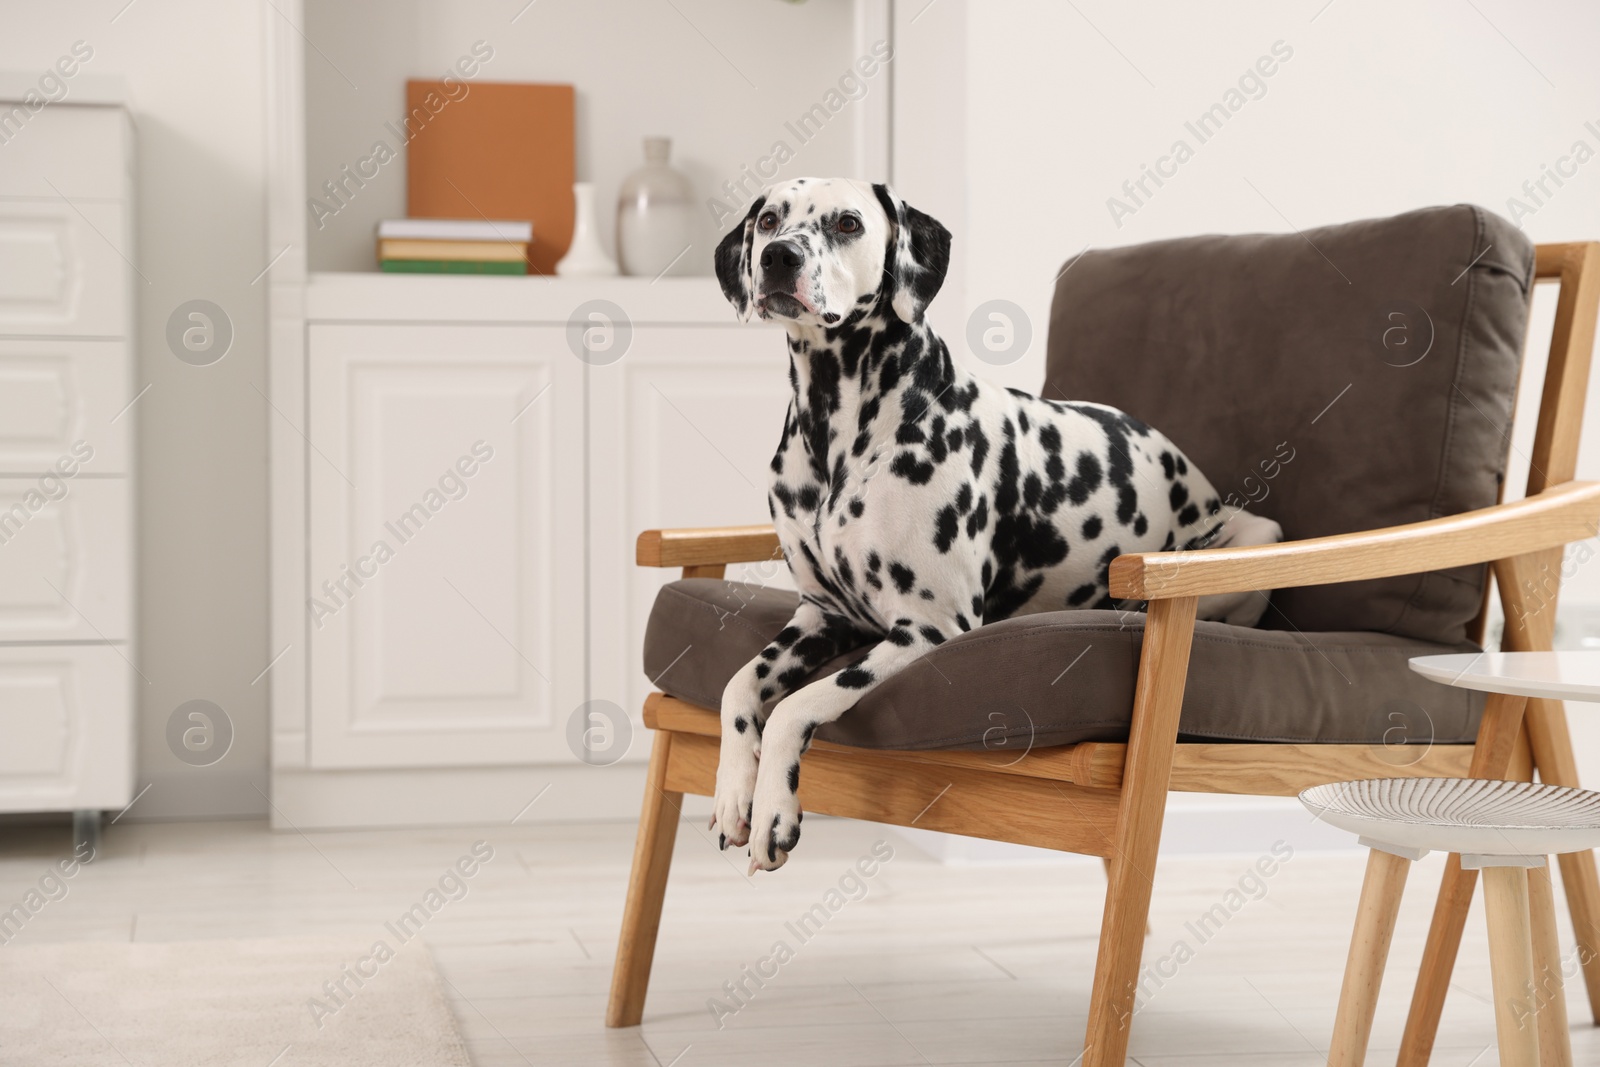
1107,799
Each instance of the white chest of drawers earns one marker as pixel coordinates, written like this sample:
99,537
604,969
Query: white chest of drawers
66,456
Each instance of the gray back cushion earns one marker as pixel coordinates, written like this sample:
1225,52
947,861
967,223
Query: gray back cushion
1347,378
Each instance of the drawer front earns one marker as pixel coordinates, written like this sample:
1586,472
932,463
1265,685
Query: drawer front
57,400
83,153
64,268
65,559
66,714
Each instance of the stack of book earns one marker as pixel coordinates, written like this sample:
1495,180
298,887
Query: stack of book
454,246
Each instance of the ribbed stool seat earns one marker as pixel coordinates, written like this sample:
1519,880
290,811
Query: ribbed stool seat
1476,817
1499,827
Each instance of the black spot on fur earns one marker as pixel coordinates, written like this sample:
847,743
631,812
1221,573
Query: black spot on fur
979,519
792,677
948,526
904,577
1092,527
740,724
1081,595
794,778
1087,479
854,678
980,446
763,669
907,466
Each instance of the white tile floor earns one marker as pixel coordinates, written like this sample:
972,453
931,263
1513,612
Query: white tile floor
933,965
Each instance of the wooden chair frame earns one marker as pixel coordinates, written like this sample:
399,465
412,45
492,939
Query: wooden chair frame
1108,800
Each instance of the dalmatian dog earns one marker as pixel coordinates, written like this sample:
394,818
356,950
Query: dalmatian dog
913,500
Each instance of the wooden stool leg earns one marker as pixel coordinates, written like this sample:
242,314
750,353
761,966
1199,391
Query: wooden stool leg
1505,895
1582,884
1381,892
1498,737
1552,752
647,888
1549,993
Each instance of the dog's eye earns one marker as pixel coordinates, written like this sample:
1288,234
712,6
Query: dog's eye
849,224
767,222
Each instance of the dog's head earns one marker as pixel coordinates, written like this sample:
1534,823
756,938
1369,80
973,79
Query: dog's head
815,250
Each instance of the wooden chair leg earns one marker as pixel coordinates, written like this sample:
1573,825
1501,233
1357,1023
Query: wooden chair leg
1505,896
1147,771
1549,994
1381,893
647,888
1107,864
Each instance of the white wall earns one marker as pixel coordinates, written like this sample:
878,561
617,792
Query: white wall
194,73
1381,108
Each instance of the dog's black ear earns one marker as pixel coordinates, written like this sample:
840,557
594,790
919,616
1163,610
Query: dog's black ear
734,265
918,255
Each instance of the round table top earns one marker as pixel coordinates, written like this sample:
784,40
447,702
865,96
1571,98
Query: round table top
1553,675
1482,817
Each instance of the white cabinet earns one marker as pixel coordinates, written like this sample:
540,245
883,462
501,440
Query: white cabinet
472,489
446,590
682,430
66,462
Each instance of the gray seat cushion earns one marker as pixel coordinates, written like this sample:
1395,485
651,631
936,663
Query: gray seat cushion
1381,355
1066,676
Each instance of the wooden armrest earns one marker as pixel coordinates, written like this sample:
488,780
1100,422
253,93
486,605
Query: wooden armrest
698,547
1556,517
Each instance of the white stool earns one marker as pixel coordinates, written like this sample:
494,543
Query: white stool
1503,828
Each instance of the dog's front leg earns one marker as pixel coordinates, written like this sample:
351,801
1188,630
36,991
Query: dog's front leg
812,637
775,821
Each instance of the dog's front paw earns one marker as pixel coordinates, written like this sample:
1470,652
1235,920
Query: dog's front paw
775,823
736,787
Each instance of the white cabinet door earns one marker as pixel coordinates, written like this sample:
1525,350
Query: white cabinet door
66,723
66,559
682,430
63,268
445,620
58,397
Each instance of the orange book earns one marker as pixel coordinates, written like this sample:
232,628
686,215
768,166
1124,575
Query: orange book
477,251
504,150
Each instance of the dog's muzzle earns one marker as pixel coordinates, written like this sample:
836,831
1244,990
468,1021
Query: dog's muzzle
780,276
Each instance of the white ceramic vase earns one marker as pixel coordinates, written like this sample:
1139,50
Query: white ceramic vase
586,256
655,216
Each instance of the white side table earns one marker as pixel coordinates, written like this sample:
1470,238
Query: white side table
1571,675
1548,675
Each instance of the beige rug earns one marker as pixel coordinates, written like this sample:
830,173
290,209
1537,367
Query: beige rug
245,1003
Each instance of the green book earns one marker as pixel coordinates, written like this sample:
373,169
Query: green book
452,266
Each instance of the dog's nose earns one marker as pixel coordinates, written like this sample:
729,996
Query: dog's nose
781,259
